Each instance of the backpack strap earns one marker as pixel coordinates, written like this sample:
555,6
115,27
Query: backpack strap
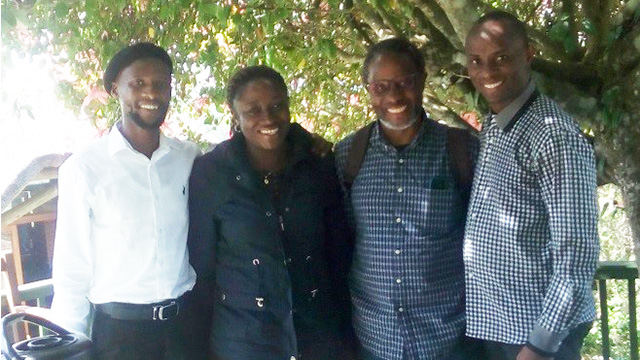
356,154
460,159
457,147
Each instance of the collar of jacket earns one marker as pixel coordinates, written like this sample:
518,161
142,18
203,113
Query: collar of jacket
300,150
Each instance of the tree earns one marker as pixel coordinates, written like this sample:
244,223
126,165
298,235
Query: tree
588,58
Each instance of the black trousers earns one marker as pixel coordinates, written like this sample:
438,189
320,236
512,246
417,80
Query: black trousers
142,339
569,349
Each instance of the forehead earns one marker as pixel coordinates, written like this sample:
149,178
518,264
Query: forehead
146,67
391,64
258,89
493,35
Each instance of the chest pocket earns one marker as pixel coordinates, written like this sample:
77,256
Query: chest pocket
438,206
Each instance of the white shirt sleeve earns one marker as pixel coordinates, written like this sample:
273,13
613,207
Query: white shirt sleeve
72,257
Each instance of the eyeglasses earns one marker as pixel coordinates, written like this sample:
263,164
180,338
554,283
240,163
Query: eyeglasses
383,87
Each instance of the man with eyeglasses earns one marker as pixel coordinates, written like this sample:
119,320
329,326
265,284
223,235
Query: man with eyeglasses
406,201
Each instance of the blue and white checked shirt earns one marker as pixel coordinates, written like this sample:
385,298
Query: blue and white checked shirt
531,244
407,279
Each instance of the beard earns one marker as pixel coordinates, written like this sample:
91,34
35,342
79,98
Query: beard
137,119
415,116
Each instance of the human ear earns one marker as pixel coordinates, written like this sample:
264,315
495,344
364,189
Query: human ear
530,52
114,89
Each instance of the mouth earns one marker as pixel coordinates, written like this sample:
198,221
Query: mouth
148,106
493,85
272,131
397,110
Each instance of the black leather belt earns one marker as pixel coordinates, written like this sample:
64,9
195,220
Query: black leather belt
161,311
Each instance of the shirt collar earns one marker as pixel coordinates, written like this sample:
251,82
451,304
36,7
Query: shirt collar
379,138
505,118
116,142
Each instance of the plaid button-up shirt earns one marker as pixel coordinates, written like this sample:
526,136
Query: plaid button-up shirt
407,279
531,244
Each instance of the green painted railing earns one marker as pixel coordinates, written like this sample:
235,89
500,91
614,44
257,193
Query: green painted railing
618,270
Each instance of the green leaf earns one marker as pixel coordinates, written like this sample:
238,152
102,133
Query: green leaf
120,4
406,8
222,14
91,8
569,44
8,16
559,31
589,27
61,9
328,48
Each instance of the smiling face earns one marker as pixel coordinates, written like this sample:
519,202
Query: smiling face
144,91
262,111
400,105
498,62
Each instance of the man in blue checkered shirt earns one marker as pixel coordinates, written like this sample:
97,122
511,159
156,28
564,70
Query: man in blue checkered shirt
531,244
407,279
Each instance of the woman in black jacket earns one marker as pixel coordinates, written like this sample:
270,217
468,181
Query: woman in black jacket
268,237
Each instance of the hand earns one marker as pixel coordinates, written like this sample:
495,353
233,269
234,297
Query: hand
528,354
321,147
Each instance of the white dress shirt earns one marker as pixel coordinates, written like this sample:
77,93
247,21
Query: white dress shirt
122,227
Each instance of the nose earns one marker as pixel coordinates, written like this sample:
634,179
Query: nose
489,68
149,92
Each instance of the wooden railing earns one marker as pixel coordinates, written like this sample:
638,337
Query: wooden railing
607,270
618,270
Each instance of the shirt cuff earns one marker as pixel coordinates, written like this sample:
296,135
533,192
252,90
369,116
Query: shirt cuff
545,340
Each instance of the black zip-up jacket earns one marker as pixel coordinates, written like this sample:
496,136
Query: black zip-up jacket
271,285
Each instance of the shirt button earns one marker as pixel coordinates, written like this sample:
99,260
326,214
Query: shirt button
398,281
400,189
398,220
401,161
397,251
286,209
400,309
268,213
293,358
238,177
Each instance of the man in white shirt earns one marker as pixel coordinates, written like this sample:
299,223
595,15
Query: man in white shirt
123,220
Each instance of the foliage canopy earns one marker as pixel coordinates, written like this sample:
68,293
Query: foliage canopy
588,58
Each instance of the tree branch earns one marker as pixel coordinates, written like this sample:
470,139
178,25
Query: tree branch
348,4
596,11
384,14
462,14
439,20
582,76
372,18
438,39
444,113
569,8
548,47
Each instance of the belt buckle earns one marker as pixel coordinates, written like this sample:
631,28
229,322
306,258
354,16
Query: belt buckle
166,312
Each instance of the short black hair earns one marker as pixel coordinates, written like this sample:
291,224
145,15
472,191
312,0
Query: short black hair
515,27
244,76
130,54
396,45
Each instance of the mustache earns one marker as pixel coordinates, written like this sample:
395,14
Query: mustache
163,109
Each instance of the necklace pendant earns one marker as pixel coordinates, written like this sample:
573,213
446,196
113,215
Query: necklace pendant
266,181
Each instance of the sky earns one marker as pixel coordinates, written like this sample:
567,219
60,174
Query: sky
30,83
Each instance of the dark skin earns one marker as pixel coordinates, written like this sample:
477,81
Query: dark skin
262,112
499,65
399,109
143,89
